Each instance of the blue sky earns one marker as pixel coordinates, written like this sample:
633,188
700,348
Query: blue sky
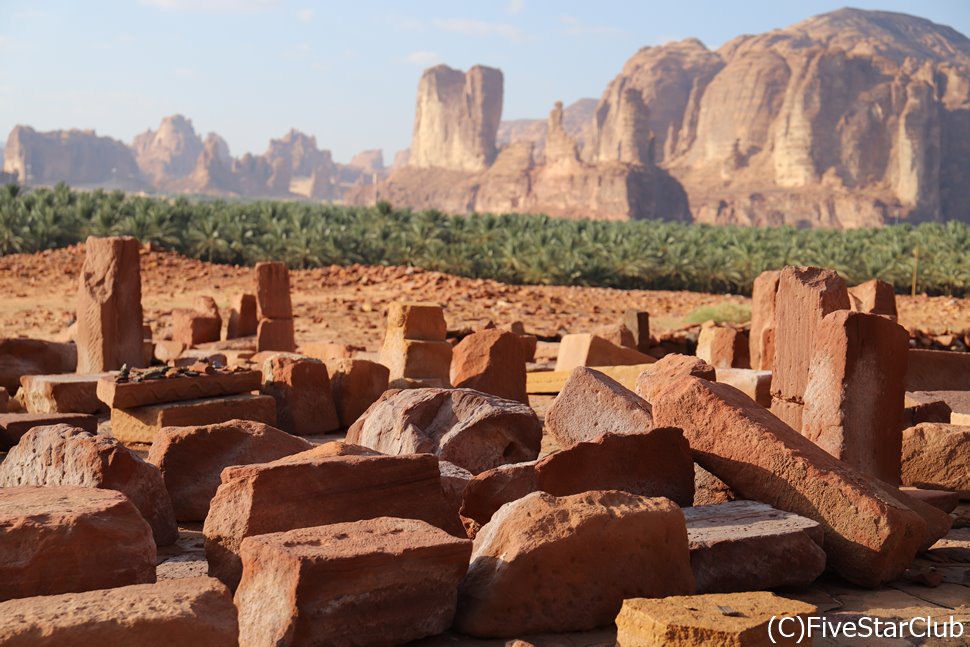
345,72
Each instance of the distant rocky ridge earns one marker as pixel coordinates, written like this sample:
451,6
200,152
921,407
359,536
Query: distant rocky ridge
852,118
175,159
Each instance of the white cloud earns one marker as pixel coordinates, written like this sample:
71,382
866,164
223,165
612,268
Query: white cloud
304,15
477,28
422,58
575,27
219,6
515,7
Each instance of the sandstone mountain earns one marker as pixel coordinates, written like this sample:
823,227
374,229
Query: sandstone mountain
848,119
457,118
78,157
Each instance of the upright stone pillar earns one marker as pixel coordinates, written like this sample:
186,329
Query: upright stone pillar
805,296
109,314
855,394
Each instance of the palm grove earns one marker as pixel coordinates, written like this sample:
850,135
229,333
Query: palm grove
512,248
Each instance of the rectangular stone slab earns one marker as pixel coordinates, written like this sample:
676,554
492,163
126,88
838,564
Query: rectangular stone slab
175,389
870,537
748,546
15,425
937,370
754,384
64,393
139,424
187,611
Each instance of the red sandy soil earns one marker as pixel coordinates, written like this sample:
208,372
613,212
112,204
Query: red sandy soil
345,304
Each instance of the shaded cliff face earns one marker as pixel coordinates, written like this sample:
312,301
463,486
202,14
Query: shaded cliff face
848,119
561,185
169,153
78,157
457,118
577,120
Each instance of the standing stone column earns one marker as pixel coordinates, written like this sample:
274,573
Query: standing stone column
274,308
109,314
805,295
761,339
855,394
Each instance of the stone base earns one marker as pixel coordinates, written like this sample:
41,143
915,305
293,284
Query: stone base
139,424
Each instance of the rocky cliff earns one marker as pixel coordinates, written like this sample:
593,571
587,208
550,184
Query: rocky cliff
457,118
852,118
169,153
78,157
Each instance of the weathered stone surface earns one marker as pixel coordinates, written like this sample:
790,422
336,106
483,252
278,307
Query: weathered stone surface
65,539
735,619
937,522
140,424
454,479
924,406
423,321
109,314
195,356
301,388
485,493
650,463
20,357
275,334
754,384
937,456
617,334
186,611
356,384
870,537
273,291
124,395
425,362
313,489
639,324
761,337
65,455
491,361
750,546
191,459
937,370
381,581
941,499
874,297
532,568
591,404
854,395
584,349
805,295
243,318
457,118
191,327
326,351
710,490
64,393
471,429
14,425
166,350
723,347
669,368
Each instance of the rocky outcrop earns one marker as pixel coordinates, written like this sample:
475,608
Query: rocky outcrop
213,171
563,185
457,117
78,157
169,153
852,118
298,166
577,120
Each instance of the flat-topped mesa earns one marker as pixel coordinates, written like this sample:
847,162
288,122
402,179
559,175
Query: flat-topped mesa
457,118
